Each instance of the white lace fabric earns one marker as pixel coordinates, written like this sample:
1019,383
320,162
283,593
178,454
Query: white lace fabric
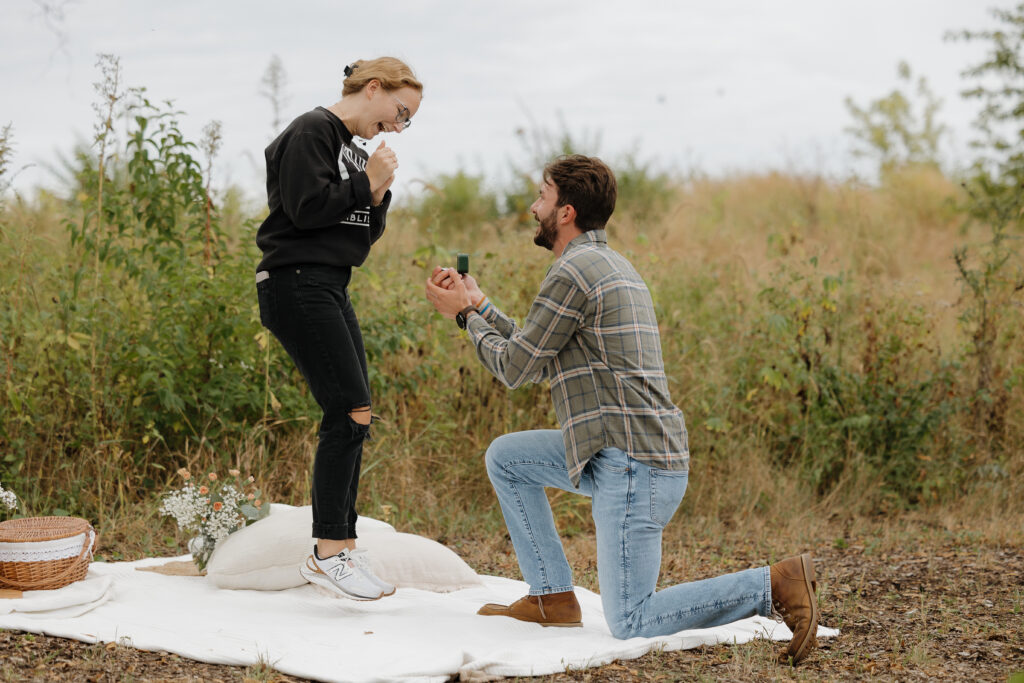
45,551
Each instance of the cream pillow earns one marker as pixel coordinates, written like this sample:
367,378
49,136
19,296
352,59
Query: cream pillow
267,555
411,561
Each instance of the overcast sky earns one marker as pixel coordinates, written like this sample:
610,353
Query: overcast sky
714,85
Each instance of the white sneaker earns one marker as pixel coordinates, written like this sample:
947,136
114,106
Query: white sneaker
342,575
362,560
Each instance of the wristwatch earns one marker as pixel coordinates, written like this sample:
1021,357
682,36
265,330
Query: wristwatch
460,317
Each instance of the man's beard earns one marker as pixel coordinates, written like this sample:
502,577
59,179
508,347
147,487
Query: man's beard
547,233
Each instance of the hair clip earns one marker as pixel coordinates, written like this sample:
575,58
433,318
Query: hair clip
349,68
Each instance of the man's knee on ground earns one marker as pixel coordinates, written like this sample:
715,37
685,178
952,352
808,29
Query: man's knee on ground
628,624
622,630
362,415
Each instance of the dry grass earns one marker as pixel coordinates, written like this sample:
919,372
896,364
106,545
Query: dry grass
424,470
727,236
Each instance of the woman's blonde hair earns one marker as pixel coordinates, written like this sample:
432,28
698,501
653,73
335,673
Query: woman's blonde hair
391,72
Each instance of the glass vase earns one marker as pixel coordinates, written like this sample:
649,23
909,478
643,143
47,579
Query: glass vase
201,548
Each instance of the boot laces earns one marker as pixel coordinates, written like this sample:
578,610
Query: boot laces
781,610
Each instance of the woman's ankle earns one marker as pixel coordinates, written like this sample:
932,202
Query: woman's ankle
326,547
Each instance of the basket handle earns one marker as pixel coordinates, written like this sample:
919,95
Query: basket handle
87,549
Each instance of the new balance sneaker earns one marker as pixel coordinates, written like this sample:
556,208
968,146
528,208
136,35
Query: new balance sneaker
341,574
362,560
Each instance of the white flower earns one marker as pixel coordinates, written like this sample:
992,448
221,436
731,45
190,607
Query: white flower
214,514
186,505
7,498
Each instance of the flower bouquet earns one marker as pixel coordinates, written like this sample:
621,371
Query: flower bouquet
213,509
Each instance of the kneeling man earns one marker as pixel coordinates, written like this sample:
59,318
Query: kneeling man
591,331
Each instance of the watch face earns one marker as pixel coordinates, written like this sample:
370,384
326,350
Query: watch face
460,320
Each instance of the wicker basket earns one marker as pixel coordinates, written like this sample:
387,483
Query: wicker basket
44,553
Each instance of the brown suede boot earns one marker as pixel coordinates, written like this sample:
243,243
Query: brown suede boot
793,586
554,609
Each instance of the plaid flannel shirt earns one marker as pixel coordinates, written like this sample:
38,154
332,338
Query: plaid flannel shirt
592,332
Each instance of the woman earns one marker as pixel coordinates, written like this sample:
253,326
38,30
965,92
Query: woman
328,201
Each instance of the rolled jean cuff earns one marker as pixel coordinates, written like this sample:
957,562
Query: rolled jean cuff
549,591
765,608
334,532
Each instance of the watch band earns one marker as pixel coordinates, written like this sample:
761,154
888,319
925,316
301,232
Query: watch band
460,317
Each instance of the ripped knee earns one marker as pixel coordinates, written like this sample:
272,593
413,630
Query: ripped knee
362,415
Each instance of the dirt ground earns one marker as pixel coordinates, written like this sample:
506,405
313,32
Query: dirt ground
924,605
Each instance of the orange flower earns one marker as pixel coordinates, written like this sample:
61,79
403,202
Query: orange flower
234,473
213,476
251,496
184,474
203,490
218,506
258,503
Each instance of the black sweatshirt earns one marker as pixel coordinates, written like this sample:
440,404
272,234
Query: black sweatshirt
319,197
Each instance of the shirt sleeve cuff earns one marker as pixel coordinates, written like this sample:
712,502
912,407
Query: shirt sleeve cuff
384,203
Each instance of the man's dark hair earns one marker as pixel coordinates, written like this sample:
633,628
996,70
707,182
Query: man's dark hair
588,185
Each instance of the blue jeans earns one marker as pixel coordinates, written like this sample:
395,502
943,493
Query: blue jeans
631,503
308,309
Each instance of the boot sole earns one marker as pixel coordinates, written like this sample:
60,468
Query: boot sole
567,624
810,638
560,624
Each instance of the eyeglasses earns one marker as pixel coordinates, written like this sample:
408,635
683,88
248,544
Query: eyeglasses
403,117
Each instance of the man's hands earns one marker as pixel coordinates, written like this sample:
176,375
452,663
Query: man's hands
380,169
451,292
445,277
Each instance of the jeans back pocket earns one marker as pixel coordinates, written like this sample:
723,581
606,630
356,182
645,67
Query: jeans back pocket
667,490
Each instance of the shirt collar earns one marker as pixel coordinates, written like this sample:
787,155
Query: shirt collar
599,237
346,136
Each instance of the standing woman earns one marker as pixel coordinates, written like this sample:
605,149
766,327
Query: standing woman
328,203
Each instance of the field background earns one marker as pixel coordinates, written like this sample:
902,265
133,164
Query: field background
817,334
847,354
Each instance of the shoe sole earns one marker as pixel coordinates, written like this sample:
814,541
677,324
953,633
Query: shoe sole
562,624
810,638
568,624
324,581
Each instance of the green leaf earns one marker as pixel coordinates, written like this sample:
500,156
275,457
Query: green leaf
719,425
856,422
773,378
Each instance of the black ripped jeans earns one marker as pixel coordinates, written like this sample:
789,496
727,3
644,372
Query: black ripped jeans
308,309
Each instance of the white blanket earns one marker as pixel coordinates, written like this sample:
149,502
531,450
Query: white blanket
413,635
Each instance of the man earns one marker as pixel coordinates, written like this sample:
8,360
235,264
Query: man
591,332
